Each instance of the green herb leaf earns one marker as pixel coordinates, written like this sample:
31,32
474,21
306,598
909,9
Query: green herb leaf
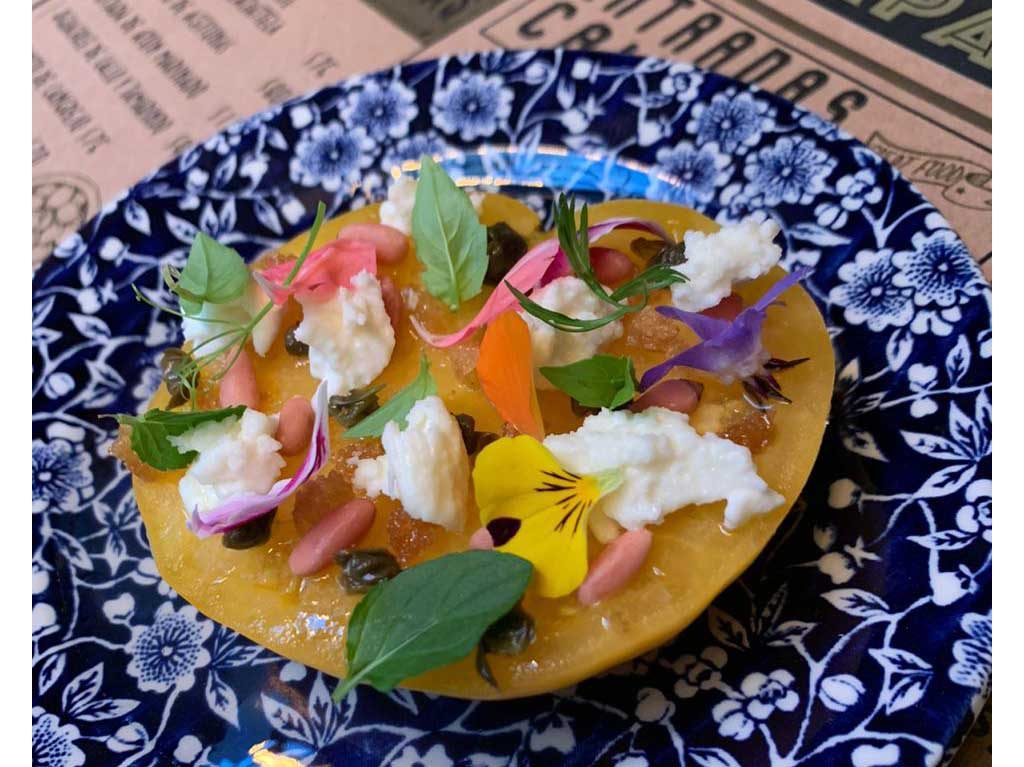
151,430
429,616
574,242
451,243
564,322
601,381
213,273
398,407
653,278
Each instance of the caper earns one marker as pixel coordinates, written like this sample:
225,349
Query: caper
505,246
172,363
474,440
350,409
659,251
255,532
510,634
483,668
467,425
583,410
294,346
484,438
362,569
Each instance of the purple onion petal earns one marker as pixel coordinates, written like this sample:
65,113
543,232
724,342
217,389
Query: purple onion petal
705,327
242,508
726,346
781,287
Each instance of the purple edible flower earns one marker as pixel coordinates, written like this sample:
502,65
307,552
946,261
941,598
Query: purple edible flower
242,508
730,350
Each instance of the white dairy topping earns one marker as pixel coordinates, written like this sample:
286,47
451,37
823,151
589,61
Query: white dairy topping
236,456
735,253
396,210
572,297
350,337
666,465
239,311
424,466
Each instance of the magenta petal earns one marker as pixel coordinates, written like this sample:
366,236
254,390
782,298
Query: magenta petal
530,271
240,509
333,265
524,276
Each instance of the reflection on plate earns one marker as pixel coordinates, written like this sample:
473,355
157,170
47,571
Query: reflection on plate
862,635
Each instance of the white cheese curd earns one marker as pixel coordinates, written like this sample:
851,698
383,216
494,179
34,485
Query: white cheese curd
666,465
350,336
238,312
396,210
572,297
236,456
424,466
735,253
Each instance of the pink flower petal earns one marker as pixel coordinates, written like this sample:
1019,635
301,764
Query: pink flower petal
533,269
332,266
240,509
523,276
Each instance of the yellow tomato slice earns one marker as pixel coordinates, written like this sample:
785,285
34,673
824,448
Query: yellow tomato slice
691,560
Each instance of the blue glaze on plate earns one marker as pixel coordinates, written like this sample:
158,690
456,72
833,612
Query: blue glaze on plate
861,636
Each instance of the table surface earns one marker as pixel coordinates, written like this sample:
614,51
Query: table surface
120,88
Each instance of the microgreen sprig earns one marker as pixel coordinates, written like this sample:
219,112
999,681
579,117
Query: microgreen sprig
574,241
234,335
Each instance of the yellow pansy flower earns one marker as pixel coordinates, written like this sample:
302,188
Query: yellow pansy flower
537,510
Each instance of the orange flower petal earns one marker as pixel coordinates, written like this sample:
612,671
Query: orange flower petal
505,370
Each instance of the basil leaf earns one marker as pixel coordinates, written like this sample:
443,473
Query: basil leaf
151,430
451,243
601,381
398,407
429,616
213,273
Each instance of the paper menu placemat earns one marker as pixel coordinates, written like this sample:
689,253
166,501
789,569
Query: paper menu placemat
121,86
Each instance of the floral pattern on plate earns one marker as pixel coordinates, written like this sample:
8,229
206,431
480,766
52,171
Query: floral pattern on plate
861,636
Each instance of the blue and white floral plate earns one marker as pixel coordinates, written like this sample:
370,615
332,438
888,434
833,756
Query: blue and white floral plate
862,636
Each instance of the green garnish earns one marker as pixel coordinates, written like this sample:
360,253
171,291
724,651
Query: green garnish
213,274
398,407
575,243
151,430
451,243
603,381
216,274
564,322
429,616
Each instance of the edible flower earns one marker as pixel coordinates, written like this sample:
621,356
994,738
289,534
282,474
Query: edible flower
322,273
732,350
530,272
505,370
243,508
537,510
